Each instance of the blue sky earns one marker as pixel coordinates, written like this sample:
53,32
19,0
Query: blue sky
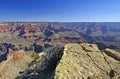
60,10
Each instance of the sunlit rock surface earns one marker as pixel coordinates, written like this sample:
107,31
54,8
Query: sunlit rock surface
86,61
72,61
16,62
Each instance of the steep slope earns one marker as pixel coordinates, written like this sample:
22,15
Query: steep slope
76,61
43,64
16,62
85,61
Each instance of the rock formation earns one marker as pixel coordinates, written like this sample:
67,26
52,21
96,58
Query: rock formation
16,62
54,32
86,61
79,61
43,64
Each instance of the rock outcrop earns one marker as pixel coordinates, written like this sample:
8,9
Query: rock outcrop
16,62
86,61
72,61
43,64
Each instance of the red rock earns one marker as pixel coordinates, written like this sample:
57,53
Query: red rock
17,55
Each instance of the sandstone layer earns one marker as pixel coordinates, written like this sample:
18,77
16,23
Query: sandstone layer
72,61
86,61
16,62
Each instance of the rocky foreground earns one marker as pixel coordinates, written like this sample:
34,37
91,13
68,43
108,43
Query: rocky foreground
16,62
86,61
72,61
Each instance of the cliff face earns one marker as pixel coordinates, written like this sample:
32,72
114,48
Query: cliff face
72,61
86,61
43,64
79,61
16,62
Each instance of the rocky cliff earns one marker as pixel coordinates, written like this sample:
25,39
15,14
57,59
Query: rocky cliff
16,62
43,64
86,61
76,61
